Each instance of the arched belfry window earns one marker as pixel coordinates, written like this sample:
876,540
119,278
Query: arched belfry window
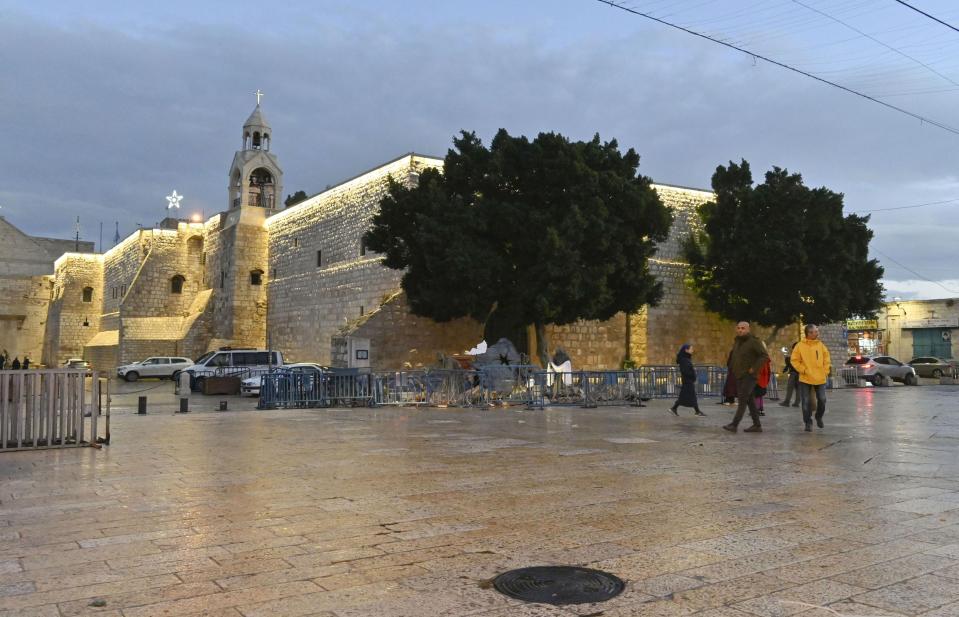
266,141
256,140
88,294
176,284
256,277
262,188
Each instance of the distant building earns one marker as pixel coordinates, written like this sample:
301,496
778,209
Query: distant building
26,281
907,329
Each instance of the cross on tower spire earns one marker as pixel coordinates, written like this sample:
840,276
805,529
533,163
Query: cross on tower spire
258,96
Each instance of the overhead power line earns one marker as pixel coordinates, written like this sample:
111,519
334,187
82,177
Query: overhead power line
930,203
783,65
921,12
908,269
875,40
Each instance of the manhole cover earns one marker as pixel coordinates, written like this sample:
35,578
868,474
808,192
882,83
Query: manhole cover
559,585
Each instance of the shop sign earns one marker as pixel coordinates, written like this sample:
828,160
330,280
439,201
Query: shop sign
936,322
862,324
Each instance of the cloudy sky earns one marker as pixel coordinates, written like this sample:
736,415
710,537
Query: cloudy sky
108,106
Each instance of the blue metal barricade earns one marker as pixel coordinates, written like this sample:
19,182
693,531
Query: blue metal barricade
497,385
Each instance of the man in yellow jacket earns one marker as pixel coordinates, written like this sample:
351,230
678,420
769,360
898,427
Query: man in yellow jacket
810,359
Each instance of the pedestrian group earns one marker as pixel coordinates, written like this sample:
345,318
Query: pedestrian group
808,366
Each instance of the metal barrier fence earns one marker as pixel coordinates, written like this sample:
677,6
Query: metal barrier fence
284,389
486,387
847,377
51,408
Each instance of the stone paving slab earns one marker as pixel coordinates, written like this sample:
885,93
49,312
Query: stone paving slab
407,512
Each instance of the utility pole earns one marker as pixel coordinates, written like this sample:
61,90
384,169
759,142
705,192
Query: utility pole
76,243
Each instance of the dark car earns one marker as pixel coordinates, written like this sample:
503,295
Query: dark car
928,366
880,370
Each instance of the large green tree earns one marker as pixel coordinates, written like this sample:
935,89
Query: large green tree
780,252
524,232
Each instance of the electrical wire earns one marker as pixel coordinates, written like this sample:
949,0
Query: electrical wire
908,269
931,203
757,56
875,40
906,4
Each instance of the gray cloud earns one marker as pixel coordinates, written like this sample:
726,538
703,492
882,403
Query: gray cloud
103,120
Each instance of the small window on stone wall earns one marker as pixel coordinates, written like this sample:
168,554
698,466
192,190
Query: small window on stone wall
256,277
319,258
88,294
176,284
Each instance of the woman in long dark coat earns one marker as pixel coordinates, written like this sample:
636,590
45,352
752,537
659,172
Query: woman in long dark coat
687,394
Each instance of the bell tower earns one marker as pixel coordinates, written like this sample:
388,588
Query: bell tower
256,179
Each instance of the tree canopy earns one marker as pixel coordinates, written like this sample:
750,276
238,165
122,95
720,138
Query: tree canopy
537,232
781,252
295,198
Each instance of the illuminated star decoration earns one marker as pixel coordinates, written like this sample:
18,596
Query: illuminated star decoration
174,200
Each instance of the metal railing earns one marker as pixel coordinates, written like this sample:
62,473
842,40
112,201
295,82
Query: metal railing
286,389
497,385
52,408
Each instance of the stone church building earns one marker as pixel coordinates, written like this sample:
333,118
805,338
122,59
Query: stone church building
296,278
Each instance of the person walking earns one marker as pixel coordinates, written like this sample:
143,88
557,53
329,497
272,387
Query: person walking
792,383
810,358
26,362
15,365
687,393
746,361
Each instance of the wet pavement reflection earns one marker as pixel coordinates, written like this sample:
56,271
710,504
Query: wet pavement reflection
394,511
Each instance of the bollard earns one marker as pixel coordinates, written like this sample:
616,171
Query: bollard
184,405
142,406
222,405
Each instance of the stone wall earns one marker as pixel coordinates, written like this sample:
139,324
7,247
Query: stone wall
26,289
23,313
237,247
400,339
591,344
120,266
313,297
72,320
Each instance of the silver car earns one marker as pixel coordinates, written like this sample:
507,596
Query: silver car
928,366
880,370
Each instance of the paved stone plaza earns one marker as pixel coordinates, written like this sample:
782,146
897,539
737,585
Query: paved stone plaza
403,512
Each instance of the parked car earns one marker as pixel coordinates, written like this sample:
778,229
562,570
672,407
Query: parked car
227,362
76,363
157,366
879,370
251,385
928,366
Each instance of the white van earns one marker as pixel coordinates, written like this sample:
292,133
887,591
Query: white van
228,362
157,366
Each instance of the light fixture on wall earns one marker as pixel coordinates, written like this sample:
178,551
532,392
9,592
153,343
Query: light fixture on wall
86,322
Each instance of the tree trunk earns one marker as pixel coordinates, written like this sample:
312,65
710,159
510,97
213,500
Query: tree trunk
542,345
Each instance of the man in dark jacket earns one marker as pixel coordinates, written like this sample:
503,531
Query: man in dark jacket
792,386
748,358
